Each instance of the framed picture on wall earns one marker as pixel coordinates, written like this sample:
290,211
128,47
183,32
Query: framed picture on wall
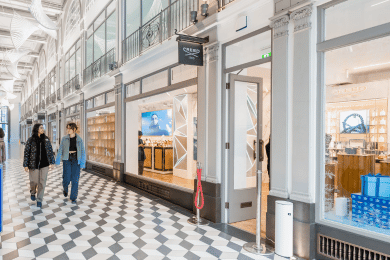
354,122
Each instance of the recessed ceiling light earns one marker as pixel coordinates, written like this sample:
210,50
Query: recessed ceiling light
380,3
373,65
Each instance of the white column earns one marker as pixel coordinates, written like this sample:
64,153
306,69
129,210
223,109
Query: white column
280,110
304,108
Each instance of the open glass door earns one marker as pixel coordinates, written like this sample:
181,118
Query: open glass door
245,134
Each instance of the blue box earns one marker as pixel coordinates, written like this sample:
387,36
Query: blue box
369,185
384,187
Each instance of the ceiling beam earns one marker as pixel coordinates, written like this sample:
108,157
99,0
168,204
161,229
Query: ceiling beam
32,38
9,11
49,7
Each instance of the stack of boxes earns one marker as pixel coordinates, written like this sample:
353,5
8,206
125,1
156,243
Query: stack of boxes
372,206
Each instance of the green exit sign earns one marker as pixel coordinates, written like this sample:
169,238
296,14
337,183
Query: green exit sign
266,55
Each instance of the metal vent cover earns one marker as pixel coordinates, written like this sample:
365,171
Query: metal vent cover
336,249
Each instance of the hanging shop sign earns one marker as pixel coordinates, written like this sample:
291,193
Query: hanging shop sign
29,121
191,49
191,53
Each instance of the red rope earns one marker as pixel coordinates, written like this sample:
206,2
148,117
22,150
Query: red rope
199,190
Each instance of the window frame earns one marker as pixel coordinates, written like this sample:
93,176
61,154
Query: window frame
69,54
322,47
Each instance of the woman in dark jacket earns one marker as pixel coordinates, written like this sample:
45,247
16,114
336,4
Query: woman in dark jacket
2,146
38,158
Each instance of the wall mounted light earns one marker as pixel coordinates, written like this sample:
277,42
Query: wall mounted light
204,8
194,14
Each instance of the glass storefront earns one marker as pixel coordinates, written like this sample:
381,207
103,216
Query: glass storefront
72,115
168,122
52,129
356,179
101,135
101,129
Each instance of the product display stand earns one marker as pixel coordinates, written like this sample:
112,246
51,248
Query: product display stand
197,220
257,247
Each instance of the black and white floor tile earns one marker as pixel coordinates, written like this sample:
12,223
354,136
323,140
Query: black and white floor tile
109,222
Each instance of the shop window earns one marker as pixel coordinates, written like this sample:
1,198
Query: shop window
156,81
133,89
168,122
251,49
110,97
357,129
354,16
133,16
99,100
101,136
182,72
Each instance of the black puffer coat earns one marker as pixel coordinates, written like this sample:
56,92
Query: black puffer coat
30,152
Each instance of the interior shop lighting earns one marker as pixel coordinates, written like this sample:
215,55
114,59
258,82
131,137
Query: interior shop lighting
380,3
373,65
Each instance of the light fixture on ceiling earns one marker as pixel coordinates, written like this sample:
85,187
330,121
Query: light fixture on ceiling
380,3
373,65
7,85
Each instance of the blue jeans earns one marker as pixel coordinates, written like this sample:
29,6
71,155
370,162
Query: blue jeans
71,174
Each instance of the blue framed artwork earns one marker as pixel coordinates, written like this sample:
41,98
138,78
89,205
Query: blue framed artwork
354,122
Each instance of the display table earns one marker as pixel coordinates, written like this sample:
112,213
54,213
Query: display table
159,159
385,167
350,168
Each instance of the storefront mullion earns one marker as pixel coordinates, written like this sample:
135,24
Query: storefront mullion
353,115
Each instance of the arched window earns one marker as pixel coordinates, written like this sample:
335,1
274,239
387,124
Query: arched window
42,64
73,18
35,77
51,48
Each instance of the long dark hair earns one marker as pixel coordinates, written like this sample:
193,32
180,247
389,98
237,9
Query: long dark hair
36,129
2,133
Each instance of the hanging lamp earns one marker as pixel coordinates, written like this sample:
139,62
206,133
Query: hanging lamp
37,12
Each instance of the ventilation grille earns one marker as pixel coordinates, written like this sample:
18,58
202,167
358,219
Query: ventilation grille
337,249
154,189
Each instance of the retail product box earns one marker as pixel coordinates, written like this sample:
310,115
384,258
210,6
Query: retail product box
371,211
376,185
369,185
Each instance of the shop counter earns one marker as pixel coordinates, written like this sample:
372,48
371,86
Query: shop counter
159,159
349,169
385,167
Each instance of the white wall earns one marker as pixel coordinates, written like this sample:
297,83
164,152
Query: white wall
14,127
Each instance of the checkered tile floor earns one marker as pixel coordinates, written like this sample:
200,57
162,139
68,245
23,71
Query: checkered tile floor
109,222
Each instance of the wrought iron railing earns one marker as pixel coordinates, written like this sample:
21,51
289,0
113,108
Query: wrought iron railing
59,96
53,98
100,67
223,3
42,105
158,29
72,85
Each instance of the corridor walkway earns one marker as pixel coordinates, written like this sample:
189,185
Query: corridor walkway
110,221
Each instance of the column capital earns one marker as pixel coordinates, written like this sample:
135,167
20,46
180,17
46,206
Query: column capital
301,18
212,52
280,26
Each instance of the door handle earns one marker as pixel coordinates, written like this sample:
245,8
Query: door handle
261,150
254,149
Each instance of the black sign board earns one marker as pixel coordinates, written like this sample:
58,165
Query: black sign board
190,53
41,117
29,121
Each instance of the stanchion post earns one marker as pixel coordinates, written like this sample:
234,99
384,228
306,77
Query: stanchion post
197,220
257,247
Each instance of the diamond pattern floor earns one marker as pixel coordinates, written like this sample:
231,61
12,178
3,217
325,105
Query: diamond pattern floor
109,222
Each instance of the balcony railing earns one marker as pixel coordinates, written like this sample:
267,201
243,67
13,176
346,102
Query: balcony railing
42,105
72,85
100,67
160,28
59,94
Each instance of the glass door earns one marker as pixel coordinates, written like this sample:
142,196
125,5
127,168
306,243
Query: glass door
245,134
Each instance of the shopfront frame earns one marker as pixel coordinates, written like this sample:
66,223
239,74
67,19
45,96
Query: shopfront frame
224,107
173,193
354,235
97,167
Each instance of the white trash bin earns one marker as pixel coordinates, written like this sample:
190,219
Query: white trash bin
284,228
